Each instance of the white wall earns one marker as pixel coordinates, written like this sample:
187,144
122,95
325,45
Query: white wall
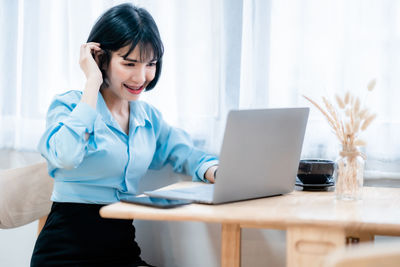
16,245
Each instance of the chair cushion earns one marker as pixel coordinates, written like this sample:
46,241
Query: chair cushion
24,195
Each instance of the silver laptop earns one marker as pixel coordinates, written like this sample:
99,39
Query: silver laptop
259,157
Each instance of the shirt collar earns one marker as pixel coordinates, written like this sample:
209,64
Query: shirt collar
103,110
138,115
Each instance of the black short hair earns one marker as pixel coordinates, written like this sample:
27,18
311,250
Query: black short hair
125,25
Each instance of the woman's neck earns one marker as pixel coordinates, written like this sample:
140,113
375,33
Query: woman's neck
119,108
115,104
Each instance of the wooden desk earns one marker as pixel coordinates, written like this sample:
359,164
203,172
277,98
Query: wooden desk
315,222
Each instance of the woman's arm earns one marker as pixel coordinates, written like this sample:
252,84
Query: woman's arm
175,147
69,123
65,142
89,64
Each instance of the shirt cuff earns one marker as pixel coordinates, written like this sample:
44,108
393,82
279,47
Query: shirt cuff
86,114
202,170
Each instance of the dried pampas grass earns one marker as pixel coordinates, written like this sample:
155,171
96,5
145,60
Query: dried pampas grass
348,118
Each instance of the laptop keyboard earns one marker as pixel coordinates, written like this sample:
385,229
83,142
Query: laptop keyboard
200,193
199,190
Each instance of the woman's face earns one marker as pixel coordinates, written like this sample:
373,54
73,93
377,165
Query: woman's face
130,76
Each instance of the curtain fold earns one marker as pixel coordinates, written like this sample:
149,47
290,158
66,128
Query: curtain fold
220,55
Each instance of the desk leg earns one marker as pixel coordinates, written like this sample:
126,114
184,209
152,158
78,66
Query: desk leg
308,246
230,245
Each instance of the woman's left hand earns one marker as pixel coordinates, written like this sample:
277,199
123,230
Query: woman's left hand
210,173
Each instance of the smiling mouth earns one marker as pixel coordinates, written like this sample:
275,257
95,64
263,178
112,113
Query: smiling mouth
134,90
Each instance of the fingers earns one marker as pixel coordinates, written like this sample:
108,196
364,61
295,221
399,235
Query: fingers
88,60
90,48
91,44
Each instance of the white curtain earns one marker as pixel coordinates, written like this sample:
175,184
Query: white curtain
220,55
319,48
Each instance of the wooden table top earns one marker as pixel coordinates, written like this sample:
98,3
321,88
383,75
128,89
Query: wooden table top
378,212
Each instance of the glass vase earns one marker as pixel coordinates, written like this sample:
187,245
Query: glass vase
349,176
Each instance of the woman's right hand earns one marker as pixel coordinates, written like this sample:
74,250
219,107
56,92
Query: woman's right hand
89,62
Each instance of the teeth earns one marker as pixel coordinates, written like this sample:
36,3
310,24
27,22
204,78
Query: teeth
133,88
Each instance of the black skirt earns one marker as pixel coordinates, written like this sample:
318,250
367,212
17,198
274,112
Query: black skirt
76,235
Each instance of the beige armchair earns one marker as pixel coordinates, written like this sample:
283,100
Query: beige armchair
366,255
25,196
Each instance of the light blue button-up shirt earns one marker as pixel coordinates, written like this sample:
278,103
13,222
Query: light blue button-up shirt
109,165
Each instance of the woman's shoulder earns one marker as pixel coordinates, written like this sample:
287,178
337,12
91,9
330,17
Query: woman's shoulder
150,114
149,109
69,98
71,95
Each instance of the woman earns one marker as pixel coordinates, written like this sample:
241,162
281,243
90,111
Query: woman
100,142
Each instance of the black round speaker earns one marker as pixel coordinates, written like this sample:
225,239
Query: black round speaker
316,171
